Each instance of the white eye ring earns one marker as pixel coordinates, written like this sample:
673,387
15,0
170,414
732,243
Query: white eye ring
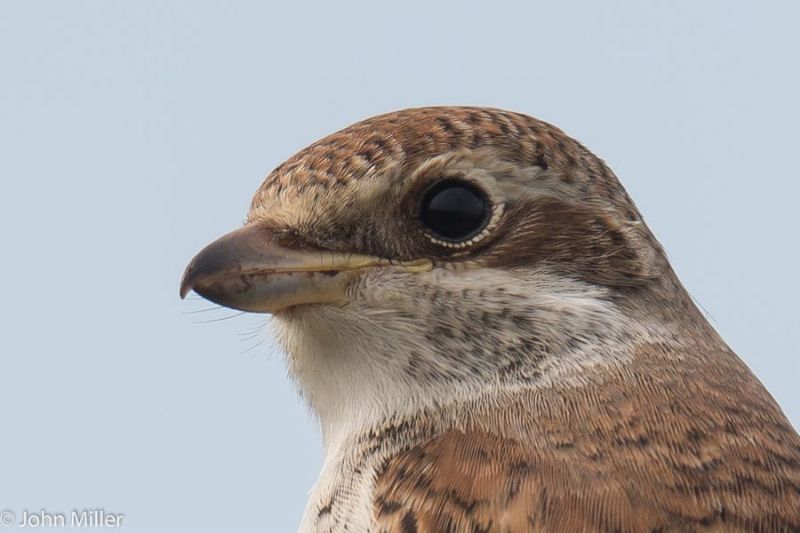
454,210
492,221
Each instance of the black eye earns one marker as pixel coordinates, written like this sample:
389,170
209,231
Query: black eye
454,210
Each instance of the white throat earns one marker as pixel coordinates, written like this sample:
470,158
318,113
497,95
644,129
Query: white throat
409,342
415,344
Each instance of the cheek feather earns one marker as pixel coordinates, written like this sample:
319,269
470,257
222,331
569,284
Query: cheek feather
583,242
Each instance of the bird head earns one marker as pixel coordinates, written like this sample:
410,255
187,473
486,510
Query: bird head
430,254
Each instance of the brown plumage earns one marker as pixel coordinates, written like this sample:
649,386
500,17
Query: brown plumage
547,372
700,449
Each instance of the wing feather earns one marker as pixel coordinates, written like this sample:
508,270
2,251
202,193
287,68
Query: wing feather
646,450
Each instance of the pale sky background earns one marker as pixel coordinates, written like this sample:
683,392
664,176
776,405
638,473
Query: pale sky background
133,133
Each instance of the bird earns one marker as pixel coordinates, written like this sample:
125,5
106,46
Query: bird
492,339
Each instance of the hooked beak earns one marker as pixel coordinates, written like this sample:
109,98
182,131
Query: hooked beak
249,271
